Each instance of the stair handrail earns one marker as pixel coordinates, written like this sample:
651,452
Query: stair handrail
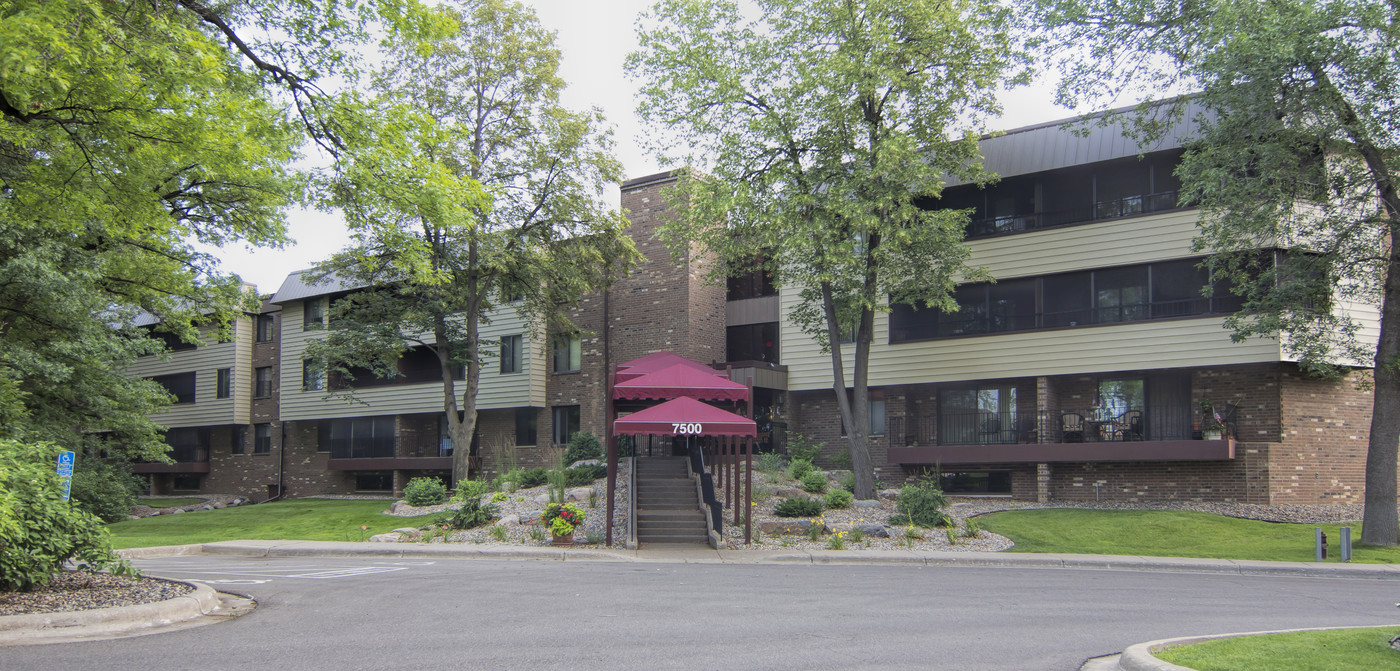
707,488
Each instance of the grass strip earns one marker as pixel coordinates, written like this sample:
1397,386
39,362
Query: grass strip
296,519
1172,533
1334,650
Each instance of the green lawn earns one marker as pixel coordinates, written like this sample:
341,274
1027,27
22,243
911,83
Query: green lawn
1336,650
297,519
1169,533
170,503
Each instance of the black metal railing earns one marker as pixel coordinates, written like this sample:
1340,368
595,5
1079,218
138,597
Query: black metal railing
696,453
1104,209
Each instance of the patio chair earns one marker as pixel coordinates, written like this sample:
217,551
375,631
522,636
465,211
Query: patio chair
1130,425
1072,427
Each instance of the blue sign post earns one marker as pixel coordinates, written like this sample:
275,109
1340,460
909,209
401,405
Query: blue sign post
65,471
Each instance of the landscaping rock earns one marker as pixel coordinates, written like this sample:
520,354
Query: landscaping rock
586,462
889,494
219,505
509,521
390,537
788,492
578,494
177,511
409,533
874,530
867,503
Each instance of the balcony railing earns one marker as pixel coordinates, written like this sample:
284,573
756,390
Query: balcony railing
1009,428
1105,209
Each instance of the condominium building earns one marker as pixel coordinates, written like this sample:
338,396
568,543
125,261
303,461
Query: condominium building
1093,367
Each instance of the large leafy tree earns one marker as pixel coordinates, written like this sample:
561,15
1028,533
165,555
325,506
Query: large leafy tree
135,135
1299,147
482,193
820,128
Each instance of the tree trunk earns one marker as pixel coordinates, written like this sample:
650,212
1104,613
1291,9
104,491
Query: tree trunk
855,412
1379,523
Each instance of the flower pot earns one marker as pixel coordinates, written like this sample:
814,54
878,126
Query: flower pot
564,540
1211,435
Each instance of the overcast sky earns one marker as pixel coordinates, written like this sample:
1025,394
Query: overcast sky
594,38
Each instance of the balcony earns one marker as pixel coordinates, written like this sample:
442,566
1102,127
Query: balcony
1118,208
399,464
1039,437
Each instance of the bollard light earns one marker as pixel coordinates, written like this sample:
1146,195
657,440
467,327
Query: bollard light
1321,543
1346,543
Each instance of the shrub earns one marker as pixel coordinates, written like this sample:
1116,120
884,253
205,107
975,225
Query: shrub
897,520
471,489
971,528
579,476
801,449
923,504
499,497
106,490
814,482
40,532
799,468
583,445
842,459
848,482
839,498
530,477
424,492
770,464
798,506
471,515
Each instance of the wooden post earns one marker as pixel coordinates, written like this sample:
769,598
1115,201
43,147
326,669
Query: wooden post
748,494
611,442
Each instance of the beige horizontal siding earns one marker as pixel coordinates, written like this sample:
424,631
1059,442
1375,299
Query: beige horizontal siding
1116,242
497,391
205,361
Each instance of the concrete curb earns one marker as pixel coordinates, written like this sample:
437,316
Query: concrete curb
107,622
1139,657
703,554
160,551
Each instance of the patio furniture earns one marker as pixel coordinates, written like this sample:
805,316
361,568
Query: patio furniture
1072,427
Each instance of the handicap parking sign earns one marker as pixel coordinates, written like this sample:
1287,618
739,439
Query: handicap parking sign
65,464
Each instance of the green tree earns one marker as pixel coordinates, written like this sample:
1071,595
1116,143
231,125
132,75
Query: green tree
135,136
1299,147
821,128
480,193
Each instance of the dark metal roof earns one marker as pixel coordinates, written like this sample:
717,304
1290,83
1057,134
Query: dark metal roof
295,288
1075,141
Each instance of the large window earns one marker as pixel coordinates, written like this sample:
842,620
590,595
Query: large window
224,383
445,442
526,427
568,352
238,438
267,327
358,438
752,342
512,348
262,438
313,313
978,416
752,284
313,376
566,423
180,385
262,382
188,444
1106,296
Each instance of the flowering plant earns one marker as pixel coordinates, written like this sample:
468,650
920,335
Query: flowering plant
1211,418
562,519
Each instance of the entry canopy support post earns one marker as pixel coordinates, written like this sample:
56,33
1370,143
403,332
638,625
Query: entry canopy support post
610,439
748,494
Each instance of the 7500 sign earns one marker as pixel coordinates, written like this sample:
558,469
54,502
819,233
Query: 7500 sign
687,429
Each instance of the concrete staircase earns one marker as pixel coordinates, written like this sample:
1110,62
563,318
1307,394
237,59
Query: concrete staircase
668,508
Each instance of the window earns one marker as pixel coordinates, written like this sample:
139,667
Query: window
224,387
374,481
1120,294
752,342
754,282
876,423
567,353
313,314
510,354
188,444
526,423
1119,396
445,442
184,482
262,382
313,377
358,438
267,325
566,423
238,439
262,438
180,385
979,416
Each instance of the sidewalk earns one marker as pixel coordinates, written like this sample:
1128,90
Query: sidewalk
699,554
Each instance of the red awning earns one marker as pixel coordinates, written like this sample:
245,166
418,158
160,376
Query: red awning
684,417
681,380
658,361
